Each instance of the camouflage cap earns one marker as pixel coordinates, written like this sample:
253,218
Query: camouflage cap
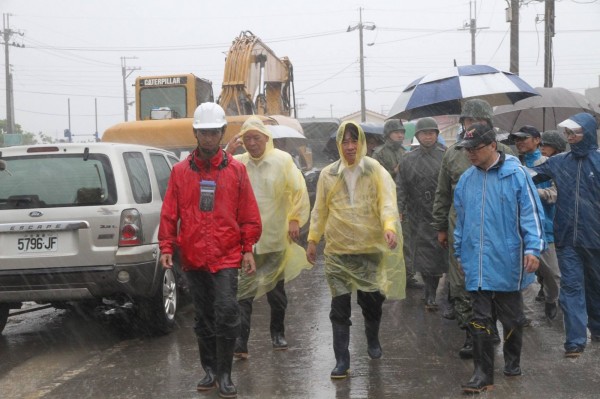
392,125
477,109
555,140
426,124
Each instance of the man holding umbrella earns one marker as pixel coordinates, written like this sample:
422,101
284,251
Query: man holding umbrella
454,163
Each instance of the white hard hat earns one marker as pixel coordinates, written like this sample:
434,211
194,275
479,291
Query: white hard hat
209,116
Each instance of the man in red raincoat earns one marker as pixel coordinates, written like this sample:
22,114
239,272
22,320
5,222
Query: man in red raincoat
210,215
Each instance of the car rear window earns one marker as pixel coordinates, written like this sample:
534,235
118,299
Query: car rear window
139,177
57,180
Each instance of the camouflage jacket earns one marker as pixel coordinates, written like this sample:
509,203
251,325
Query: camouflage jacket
389,157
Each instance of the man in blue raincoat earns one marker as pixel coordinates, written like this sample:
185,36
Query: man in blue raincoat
576,174
498,238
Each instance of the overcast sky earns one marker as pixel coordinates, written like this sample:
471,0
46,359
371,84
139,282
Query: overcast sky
73,49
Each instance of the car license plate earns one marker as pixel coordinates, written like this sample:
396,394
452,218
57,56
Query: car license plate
36,243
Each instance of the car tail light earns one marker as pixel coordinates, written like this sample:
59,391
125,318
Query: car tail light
130,230
42,149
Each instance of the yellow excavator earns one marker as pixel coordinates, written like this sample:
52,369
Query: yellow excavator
255,82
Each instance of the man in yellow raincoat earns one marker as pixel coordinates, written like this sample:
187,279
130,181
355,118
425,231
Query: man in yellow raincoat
282,198
355,209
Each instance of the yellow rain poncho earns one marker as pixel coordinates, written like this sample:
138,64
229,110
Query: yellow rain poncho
355,225
281,193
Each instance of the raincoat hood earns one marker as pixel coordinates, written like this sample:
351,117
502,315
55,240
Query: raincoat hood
361,151
254,123
589,142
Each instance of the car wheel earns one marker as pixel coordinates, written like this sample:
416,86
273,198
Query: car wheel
4,309
158,311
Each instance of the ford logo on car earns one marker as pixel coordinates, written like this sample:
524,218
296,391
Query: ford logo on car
35,214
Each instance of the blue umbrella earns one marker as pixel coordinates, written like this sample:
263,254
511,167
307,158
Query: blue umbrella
442,92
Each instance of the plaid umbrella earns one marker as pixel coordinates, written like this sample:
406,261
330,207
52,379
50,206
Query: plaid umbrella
442,92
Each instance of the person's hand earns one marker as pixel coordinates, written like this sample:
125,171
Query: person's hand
248,264
443,239
311,252
166,260
234,143
294,230
390,239
531,263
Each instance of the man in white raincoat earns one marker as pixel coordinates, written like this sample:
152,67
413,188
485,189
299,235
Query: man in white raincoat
282,198
355,209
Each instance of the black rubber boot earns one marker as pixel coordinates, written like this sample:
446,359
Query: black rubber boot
224,363
494,326
431,284
341,340
483,360
278,329
208,359
241,343
278,340
513,342
372,333
466,352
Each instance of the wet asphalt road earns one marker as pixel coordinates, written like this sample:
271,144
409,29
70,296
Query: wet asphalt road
59,354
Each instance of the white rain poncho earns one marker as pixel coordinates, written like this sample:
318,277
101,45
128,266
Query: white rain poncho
355,226
281,194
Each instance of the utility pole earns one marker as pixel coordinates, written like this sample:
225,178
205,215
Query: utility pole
473,28
360,26
7,33
548,35
124,71
512,16
96,118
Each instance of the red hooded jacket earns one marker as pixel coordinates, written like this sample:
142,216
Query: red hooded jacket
216,239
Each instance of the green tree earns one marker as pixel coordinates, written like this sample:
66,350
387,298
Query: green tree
27,138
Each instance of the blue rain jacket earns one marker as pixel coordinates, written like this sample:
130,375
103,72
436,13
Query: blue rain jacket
499,220
577,177
531,160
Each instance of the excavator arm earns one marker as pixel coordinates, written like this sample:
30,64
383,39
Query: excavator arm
255,80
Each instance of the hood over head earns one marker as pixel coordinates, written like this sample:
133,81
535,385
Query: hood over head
255,123
361,151
590,138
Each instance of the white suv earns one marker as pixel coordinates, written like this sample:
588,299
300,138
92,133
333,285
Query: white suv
79,223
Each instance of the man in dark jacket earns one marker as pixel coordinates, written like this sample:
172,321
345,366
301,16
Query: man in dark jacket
576,174
210,215
417,180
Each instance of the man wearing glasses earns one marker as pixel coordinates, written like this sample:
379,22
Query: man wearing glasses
576,174
454,163
498,239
